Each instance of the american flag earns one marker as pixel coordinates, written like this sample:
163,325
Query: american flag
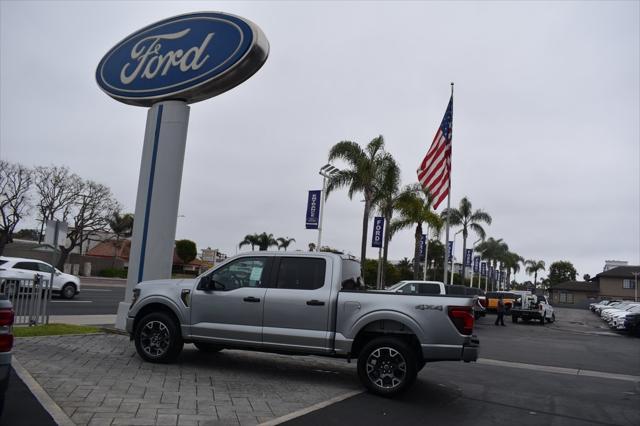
435,169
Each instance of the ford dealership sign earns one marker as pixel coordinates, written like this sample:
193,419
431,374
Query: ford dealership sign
188,57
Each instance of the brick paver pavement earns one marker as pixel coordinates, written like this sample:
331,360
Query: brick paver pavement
98,379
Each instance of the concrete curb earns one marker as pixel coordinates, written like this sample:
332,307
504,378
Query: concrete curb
41,395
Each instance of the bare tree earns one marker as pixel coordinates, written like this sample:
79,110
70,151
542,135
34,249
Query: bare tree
57,189
89,216
15,181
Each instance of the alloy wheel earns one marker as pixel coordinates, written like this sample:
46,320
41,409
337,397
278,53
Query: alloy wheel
155,338
386,368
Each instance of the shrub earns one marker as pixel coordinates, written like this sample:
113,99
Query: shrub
113,273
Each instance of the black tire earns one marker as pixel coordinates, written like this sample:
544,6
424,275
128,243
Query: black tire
553,317
542,320
68,291
157,338
387,366
514,319
207,347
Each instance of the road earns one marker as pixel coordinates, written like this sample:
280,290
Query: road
527,375
96,298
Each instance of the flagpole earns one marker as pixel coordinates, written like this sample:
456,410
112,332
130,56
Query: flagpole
446,241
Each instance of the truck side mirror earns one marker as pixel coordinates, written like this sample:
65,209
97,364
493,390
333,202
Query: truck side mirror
205,283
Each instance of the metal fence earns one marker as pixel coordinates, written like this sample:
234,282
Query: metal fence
30,299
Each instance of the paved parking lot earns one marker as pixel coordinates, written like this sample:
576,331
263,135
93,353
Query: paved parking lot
99,380
571,372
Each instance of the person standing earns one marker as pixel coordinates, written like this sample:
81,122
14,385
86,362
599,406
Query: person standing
500,317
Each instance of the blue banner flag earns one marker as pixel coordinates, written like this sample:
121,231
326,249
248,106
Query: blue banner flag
378,231
467,257
450,251
476,264
483,269
313,210
423,247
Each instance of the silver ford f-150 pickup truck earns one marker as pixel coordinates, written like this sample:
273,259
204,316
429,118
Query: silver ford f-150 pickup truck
303,303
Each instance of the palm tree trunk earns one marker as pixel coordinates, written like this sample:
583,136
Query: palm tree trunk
365,231
385,250
416,253
464,260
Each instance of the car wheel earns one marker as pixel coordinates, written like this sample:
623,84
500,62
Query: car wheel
543,320
68,291
158,338
514,319
387,366
420,365
207,347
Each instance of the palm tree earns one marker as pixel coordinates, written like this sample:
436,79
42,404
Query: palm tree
492,250
249,239
533,266
284,242
264,241
362,175
467,218
512,262
415,209
122,227
387,201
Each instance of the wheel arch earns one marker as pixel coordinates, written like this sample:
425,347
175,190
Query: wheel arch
157,306
388,327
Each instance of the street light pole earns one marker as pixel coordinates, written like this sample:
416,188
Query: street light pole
326,171
453,253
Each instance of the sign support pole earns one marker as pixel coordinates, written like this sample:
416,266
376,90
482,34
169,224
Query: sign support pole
156,214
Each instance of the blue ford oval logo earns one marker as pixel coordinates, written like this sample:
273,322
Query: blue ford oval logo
189,57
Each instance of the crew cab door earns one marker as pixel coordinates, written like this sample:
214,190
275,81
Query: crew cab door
296,311
227,305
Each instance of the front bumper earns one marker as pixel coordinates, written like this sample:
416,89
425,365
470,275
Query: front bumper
129,325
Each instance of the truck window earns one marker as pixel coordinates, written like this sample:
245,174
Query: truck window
301,273
245,272
428,288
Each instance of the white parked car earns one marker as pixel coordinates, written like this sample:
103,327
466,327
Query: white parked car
16,268
614,315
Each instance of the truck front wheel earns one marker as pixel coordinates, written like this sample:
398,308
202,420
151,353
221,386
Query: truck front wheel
158,338
387,366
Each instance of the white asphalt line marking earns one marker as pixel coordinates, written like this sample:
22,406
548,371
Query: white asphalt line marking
49,404
560,370
71,301
312,408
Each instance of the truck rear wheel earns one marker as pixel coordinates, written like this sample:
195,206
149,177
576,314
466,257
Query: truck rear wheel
387,366
158,338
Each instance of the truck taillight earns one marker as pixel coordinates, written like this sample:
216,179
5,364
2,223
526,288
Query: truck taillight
6,317
462,318
6,321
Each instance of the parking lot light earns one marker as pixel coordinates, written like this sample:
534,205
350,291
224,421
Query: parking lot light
326,171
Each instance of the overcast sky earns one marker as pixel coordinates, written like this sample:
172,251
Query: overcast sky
546,130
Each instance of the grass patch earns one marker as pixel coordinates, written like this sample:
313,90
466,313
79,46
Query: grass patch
53,330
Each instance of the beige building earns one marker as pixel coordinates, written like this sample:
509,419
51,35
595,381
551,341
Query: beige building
618,282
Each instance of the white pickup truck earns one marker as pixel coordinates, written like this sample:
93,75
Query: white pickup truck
303,303
528,307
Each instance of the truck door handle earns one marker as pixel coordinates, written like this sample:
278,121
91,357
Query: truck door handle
315,302
251,299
